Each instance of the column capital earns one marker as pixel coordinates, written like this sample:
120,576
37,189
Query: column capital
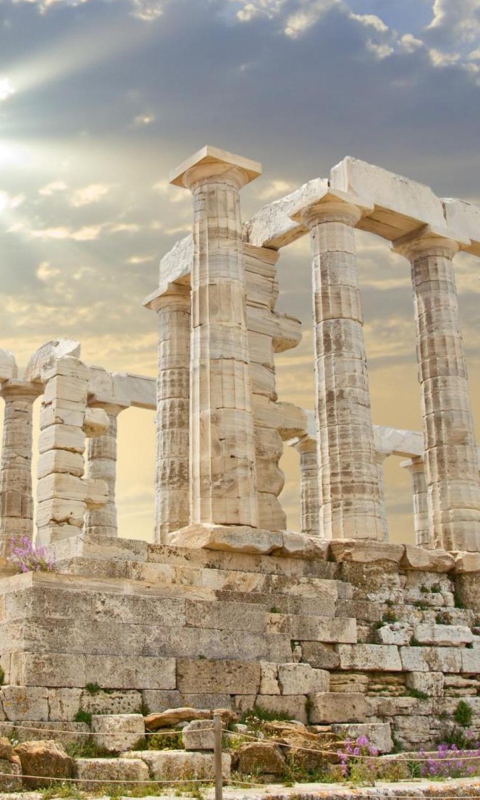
18,388
172,294
429,239
211,163
330,205
413,465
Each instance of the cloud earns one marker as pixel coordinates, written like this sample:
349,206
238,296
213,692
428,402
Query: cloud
456,20
6,89
89,194
53,188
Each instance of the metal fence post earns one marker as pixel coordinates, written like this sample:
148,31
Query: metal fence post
217,754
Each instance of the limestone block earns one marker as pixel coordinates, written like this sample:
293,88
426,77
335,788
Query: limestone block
24,703
100,383
62,486
94,774
157,700
471,660
400,706
43,760
10,771
140,389
401,205
48,669
467,562
328,707
324,629
443,635
61,437
136,672
378,733
63,704
117,732
430,683
370,657
8,365
296,679
96,422
52,415
320,656
199,735
175,716
174,765
45,358
227,616
293,705
427,560
435,659
60,461
202,675
364,551
238,538
97,493
66,387
207,700
396,634
269,678
57,510
464,218
260,758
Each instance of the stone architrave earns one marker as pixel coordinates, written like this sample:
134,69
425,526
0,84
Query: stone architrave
309,486
421,525
349,491
16,496
102,465
222,446
172,484
451,463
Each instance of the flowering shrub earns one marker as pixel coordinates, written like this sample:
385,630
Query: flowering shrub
29,558
358,761
451,762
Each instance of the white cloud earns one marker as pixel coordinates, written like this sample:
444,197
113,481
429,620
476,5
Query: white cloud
370,20
409,43
85,234
276,188
459,19
89,194
53,188
148,10
45,271
6,89
9,202
143,119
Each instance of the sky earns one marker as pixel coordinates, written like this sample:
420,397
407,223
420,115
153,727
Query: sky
100,99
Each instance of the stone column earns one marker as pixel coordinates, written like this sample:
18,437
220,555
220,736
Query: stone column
421,524
349,491
102,465
380,457
222,446
451,465
309,487
172,485
16,496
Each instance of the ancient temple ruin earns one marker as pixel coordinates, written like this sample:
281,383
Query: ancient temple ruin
331,623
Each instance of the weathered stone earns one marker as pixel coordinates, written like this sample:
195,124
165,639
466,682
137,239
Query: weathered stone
301,679
43,760
418,558
328,707
378,733
173,716
294,706
174,765
117,732
25,703
199,735
94,774
371,657
443,635
429,683
365,552
259,758
320,656
10,775
202,675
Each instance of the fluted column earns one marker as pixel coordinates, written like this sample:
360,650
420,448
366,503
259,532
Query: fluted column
309,487
222,446
172,485
349,491
451,465
380,457
102,465
421,525
16,496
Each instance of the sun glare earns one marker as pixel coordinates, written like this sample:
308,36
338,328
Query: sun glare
6,89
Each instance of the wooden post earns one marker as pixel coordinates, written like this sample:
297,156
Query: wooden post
217,754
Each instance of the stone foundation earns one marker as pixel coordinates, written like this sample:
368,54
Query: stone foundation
358,634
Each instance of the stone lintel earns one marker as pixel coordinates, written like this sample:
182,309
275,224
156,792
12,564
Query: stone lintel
328,197
364,551
215,156
465,218
429,236
154,301
466,562
254,541
418,558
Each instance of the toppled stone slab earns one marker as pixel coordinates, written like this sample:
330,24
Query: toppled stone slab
259,758
94,774
117,732
43,760
172,716
417,558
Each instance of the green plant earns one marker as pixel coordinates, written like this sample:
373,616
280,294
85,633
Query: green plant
417,693
379,624
83,716
424,589
443,618
389,603
144,709
274,610
419,604
436,588
162,742
458,600
86,749
463,714
92,688
414,642
294,644
389,616
257,714
2,676
202,657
